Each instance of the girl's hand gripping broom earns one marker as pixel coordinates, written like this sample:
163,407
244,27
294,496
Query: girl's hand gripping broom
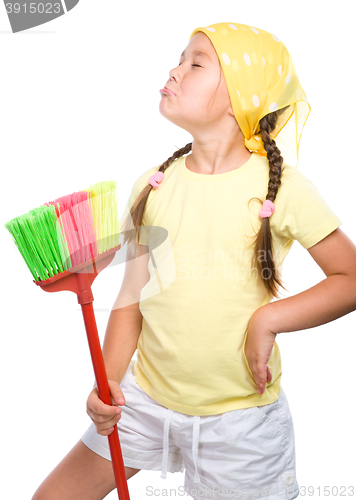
65,244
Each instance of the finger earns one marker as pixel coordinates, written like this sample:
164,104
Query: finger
106,432
269,374
116,392
110,431
257,379
113,402
261,378
104,426
104,419
261,388
100,408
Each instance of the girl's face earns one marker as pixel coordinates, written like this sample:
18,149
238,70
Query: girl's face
201,102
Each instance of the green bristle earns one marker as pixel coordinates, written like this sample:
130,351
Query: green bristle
51,238
105,214
63,247
36,236
14,228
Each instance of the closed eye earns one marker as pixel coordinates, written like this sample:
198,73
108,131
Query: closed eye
192,65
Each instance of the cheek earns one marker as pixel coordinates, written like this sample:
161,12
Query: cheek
197,93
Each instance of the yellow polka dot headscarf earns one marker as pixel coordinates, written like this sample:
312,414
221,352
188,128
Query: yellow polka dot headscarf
261,78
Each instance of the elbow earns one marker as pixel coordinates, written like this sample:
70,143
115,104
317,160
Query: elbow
352,291
352,282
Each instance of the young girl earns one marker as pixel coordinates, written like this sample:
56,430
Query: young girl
214,227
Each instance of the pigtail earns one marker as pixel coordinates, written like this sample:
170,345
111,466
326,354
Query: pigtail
138,207
263,241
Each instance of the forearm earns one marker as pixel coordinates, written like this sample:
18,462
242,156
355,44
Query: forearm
120,342
330,299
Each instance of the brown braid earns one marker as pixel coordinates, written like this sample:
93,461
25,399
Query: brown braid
263,242
138,207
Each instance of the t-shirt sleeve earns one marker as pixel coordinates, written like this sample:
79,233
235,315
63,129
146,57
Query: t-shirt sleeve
301,213
136,189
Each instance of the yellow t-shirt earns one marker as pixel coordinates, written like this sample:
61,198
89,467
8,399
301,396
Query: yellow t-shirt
203,290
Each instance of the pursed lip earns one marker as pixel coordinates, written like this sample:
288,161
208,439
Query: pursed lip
167,91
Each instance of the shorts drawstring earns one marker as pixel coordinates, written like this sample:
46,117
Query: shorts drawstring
195,446
196,429
167,421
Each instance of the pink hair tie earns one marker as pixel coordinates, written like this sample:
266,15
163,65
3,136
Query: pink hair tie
267,209
156,179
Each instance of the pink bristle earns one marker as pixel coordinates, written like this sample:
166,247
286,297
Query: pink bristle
82,212
78,226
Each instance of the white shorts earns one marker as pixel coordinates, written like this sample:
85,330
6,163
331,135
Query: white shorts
240,454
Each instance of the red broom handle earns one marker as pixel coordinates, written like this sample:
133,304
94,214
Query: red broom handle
104,395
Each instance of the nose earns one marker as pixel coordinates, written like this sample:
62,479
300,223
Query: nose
172,76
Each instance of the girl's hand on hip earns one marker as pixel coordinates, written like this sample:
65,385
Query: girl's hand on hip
258,347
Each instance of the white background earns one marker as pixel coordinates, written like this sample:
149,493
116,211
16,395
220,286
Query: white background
79,105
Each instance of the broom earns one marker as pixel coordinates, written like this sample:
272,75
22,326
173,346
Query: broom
65,244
